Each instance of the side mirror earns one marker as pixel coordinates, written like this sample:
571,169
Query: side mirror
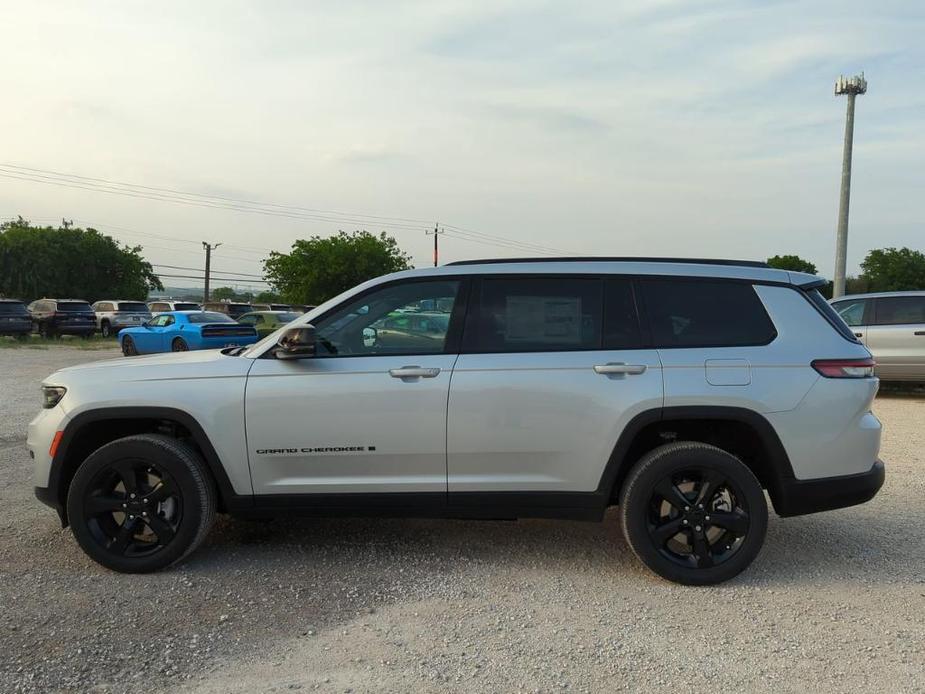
297,343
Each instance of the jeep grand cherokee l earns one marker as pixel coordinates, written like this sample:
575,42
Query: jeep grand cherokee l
678,391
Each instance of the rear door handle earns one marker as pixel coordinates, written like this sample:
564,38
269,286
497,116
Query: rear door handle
413,372
613,368
859,334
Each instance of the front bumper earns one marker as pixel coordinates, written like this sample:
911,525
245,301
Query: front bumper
799,497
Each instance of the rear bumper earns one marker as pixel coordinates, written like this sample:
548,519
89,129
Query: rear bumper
799,497
16,329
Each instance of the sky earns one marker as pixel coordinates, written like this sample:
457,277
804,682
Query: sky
661,127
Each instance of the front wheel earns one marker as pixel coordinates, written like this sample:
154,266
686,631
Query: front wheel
693,513
141,503
128,347
106,329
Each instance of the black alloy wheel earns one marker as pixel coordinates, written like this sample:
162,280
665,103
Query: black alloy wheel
132,508
179,345
128,347
693,513
141,503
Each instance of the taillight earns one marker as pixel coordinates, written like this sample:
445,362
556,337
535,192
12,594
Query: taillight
845,368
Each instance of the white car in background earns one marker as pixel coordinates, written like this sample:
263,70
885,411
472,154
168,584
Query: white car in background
892,326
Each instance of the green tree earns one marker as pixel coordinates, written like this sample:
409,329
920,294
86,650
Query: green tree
894,270
221,294
318,268
268,298
72,263
792,262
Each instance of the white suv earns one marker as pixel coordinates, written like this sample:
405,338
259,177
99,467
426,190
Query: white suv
676,390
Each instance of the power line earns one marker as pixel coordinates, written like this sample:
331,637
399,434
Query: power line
202,278
214,272
169,195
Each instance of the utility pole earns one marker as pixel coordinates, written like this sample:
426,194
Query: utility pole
851,87
209,248
436,234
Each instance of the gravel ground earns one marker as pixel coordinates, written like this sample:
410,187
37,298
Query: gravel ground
835,601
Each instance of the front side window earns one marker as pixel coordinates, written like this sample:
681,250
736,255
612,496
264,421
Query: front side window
161,321
408,318
852,312
536,315
899,310
705,313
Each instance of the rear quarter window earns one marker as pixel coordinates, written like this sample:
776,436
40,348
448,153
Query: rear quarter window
705,313
899,310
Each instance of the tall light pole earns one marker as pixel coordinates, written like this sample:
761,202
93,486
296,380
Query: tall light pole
851,86
209,247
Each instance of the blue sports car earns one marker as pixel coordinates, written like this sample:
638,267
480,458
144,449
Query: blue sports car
180,331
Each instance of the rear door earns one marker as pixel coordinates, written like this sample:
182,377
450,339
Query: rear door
896,337
552,369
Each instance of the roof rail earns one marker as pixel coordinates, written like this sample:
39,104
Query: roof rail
614,259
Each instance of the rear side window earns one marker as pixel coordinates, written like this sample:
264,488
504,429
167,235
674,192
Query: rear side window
830,314
536,315
695,313
180,306
134,306
899,310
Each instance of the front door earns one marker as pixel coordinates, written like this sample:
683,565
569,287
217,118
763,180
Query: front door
545,385
368,412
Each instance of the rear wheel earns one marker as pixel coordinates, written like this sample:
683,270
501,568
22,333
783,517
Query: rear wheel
141,503
128,346
693,513
179,345
105,329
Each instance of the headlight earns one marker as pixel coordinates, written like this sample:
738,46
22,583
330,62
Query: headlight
52,395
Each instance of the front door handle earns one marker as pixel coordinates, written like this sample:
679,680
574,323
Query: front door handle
413,372
614,368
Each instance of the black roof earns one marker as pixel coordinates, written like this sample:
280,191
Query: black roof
614,259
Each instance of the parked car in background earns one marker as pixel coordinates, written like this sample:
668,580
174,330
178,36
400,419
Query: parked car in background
267,321
892,326
54,317
301,308
283,307
231,308
113,315
14,318
162,306
182,331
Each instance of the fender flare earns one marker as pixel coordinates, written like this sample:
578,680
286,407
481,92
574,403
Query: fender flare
781,471
56,488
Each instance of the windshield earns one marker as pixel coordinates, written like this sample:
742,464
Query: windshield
208,317
74,307
13,308
185,307
134,306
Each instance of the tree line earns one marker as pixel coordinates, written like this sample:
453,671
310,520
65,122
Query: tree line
68,262
84,263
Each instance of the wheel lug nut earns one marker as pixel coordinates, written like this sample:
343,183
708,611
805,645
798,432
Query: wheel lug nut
706,517
687,508
697,528
684,521
124,505
131,496
699,505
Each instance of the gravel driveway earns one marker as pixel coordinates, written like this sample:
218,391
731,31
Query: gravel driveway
835,602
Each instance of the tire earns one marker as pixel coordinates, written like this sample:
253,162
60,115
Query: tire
686,487
105,329
164,519
46,332
179,345
128,347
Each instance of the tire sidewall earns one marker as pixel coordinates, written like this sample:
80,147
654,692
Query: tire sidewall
637,493
148,449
